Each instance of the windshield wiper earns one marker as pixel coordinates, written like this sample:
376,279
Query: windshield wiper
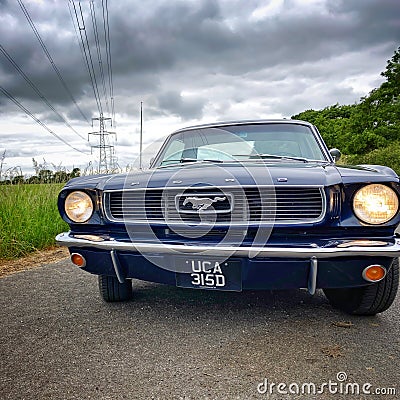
277,157
189,160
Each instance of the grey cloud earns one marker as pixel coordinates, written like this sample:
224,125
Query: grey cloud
175,103
193,60
150,42
87,107
180,36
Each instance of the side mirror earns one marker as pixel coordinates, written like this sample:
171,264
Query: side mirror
336,154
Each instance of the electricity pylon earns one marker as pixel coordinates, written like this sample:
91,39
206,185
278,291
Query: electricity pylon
106,150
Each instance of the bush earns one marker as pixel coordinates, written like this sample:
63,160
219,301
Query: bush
389,156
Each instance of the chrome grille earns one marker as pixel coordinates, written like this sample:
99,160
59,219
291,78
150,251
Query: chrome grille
287,204
134,205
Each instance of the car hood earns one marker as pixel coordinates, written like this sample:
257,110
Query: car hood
208,174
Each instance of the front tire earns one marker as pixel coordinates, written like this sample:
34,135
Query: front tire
367,300
111,290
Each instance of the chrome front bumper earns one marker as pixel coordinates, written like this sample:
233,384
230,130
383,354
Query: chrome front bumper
344,248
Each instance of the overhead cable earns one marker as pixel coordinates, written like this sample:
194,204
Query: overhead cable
87,54
36,90
97,41
106,26
25,11
15,101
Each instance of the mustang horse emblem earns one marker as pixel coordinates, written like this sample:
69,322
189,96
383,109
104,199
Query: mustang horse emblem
202,203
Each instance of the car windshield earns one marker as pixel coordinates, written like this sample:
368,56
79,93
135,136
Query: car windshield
240,143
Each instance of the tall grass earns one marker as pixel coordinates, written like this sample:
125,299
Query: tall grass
29,218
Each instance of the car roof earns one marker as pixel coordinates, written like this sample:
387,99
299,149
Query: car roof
244,122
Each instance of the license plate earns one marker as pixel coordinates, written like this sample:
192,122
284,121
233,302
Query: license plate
209,274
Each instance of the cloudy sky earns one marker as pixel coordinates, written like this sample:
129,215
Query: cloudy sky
188,61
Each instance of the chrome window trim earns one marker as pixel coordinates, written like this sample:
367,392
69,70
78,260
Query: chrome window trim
313,128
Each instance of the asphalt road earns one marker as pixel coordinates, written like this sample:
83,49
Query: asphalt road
60,341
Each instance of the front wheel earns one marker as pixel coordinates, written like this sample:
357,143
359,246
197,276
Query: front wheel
367,300
112,290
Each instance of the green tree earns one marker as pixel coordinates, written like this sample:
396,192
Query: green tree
45,176
371,124
332,122
75,173
33,179
376,120
60,176
18,180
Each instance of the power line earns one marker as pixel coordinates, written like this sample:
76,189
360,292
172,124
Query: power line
107,157
25,11
106,26
88,55
15,101
36,90
97,41
76,30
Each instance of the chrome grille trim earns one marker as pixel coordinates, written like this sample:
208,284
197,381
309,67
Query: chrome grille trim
292,205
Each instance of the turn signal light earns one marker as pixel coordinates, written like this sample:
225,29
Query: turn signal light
374,273
78,260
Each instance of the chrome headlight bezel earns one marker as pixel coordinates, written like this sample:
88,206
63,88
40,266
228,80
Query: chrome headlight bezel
79,206
375,204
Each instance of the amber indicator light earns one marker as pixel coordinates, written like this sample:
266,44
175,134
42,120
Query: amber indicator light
374,273
78,260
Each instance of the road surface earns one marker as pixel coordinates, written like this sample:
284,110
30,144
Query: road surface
60,341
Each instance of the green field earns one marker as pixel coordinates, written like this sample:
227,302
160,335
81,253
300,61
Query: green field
29,219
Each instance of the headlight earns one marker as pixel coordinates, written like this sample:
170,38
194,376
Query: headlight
375,204
78,206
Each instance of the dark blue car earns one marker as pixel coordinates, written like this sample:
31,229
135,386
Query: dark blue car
241,206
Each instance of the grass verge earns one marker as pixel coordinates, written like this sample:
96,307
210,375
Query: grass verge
29,218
